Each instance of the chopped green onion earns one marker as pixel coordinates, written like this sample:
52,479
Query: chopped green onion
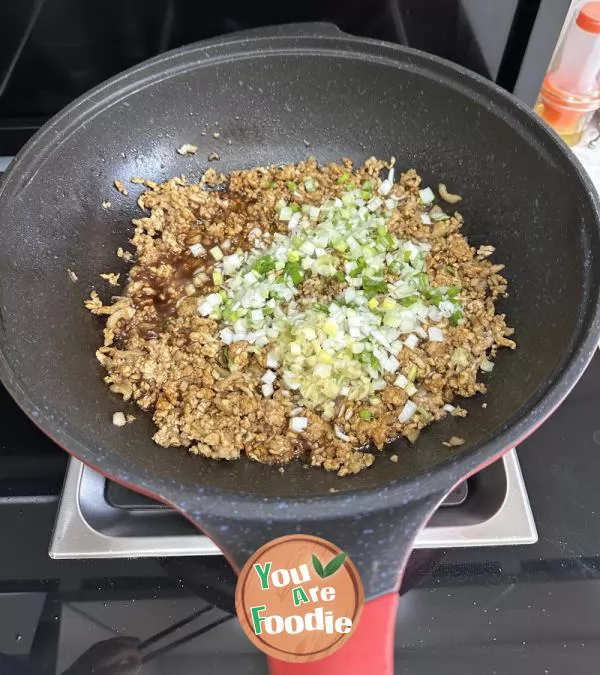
286,213
409,301
455,317
291,185
330,328
264,265
365,414
373,287
346,348
344,178
294,271
309,184
361,264
424,413
423,282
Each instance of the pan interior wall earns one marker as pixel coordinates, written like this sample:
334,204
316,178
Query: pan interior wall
520,195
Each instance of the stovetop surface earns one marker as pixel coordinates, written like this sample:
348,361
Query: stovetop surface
519,610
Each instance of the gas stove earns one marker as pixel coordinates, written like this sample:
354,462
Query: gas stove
101,519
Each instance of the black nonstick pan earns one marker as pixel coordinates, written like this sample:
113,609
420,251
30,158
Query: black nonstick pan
273,93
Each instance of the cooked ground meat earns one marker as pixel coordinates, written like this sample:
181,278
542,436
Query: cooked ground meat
206,396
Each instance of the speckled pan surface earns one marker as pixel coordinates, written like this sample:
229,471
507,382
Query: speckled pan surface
271,95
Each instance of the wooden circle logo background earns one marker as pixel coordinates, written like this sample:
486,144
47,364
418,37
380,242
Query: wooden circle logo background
338,593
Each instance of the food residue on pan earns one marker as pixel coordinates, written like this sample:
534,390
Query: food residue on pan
120,187
187,149
111,277
118,419
127,256
301,311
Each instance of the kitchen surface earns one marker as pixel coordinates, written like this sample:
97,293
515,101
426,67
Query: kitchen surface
505,578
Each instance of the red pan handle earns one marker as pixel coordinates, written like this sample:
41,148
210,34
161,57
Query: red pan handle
369,650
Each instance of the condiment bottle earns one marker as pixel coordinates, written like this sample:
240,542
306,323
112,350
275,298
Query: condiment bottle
570,92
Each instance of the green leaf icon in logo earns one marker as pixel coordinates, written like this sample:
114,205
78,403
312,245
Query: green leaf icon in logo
332,566
318,567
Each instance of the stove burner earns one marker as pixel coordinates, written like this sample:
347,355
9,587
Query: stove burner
100,519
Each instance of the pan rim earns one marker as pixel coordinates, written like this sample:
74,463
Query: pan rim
440,478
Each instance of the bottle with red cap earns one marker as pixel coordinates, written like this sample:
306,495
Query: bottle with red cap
570,91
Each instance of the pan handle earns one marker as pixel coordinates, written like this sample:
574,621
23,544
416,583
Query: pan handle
369,650
378,541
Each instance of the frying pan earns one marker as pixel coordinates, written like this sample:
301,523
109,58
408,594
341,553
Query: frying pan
272,93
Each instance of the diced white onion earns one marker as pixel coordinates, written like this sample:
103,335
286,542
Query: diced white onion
449,408
385,187
486,365
407,412
197,250
298,424
411,341
322,370
401,381
294,220
391,364
267,390
435,334
425,219
272,362
269,377
341,435
231,263
374,203
427,195
286,213
216,253
226,336
209,304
